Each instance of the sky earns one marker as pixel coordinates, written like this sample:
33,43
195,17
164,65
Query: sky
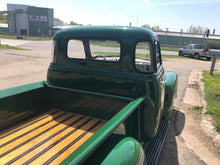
172,14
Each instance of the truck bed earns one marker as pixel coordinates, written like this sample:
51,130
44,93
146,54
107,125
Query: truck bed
47,138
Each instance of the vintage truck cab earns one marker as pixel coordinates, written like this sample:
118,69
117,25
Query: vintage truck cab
110,76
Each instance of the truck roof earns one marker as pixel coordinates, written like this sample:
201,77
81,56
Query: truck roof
110,32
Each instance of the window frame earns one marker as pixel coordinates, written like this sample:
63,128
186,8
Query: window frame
157,45
151,69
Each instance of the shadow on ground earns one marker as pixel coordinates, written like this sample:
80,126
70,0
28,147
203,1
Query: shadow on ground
169,152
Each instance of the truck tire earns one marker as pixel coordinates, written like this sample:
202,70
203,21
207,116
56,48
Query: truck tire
208,58
180,53
197,56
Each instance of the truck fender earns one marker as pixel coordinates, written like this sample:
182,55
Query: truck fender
170,92
118,149
127,151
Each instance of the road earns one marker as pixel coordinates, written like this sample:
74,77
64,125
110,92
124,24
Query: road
18,67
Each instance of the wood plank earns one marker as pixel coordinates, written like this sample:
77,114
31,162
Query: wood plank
33,133
34,152
59,146
22,131
23,124
55,139
65,154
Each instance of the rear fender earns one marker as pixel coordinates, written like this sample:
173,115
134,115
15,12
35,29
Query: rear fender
170,92
118,150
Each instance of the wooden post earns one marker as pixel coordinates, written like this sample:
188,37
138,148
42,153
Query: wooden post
212,66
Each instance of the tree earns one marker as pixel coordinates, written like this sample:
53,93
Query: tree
59,20
74,23
154,28
196,29
3,18
212,44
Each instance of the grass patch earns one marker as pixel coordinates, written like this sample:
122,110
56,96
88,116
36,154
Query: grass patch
212,89
169,49
10,47
24,38
173,56
139,55
197,108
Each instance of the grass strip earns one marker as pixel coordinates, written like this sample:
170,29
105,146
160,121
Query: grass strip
24,38
139,55
212,95
10,47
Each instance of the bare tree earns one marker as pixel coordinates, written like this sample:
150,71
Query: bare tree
154,28
196,29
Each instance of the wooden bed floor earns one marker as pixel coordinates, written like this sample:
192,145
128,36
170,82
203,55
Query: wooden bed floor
47,139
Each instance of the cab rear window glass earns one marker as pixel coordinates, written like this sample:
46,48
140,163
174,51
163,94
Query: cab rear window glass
98,50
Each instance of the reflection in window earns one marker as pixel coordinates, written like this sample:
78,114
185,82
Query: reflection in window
142,57
105,50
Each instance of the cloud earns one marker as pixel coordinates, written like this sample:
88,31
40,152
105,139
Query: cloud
146,1
185,2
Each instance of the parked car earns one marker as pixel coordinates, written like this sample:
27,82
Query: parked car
194,50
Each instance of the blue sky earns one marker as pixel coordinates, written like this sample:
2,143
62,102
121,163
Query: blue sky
172,14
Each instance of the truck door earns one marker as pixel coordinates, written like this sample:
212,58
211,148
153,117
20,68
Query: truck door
147,62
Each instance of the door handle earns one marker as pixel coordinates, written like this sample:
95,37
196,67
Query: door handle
163,82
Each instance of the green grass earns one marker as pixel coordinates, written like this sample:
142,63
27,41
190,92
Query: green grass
169,49
24,38
104,44
139,55
197,108
10,47
139,47
212,88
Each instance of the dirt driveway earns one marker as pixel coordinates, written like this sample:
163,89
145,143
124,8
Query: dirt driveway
185,143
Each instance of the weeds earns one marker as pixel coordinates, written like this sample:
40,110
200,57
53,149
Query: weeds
212,88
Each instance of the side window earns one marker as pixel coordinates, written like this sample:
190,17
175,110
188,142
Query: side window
75,49
143,57
158,55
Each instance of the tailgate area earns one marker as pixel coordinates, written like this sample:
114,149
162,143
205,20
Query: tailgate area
48,138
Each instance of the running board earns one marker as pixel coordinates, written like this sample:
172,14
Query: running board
152,148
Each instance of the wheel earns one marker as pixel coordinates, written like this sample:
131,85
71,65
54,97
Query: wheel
180,53
197,56
208,58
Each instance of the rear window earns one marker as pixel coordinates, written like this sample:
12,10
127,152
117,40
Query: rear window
199,46
97,50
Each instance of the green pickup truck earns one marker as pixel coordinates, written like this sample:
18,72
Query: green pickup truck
107,100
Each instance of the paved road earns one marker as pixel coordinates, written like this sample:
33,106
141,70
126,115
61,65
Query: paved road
21,67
